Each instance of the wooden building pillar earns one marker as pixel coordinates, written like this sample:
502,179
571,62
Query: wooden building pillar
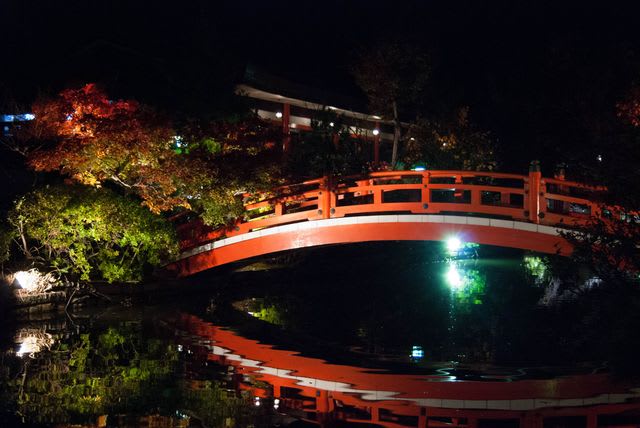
286,130
376,146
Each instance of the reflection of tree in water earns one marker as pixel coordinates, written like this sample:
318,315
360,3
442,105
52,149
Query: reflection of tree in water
113,371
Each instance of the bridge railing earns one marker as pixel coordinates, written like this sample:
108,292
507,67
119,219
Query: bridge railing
530,198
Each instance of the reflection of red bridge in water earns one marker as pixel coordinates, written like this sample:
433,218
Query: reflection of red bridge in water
510,210
323,393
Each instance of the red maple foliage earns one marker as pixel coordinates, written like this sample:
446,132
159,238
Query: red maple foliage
93,140
629,109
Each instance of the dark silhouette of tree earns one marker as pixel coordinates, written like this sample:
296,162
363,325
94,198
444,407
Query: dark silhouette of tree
393,76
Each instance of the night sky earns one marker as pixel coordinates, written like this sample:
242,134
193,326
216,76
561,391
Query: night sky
543,77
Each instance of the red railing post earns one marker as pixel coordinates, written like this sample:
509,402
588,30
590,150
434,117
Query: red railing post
457,192
327,198
535,180
279,209
426,192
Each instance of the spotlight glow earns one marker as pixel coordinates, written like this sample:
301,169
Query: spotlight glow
453,278
279,115
454,244
32,281
32,341
376,131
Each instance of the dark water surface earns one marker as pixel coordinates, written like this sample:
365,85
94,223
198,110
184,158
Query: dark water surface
387,334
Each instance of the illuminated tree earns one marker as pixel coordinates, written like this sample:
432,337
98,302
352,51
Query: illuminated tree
95,140
204,167
91,233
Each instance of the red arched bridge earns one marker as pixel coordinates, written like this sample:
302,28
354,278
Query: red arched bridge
510,210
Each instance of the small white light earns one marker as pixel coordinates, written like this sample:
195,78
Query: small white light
599,157
417,351
412,139
276,401
293,125
331,124
419,168
279,115
376,131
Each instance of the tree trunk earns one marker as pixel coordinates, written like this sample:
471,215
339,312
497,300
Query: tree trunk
25,247
396,135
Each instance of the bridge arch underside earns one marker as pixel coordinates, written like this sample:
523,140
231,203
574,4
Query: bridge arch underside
503,233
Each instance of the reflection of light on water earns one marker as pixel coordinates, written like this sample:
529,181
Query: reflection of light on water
417,352
454,279
32,342
535,266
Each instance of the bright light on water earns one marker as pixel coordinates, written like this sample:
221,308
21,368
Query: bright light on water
454,279
417,352
32,341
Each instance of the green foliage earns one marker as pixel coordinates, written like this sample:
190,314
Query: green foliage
451,144
113,371
94,374
327,150
219,205
471,289
7,235
215,405
535,266
92,233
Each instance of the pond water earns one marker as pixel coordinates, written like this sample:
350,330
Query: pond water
389,334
